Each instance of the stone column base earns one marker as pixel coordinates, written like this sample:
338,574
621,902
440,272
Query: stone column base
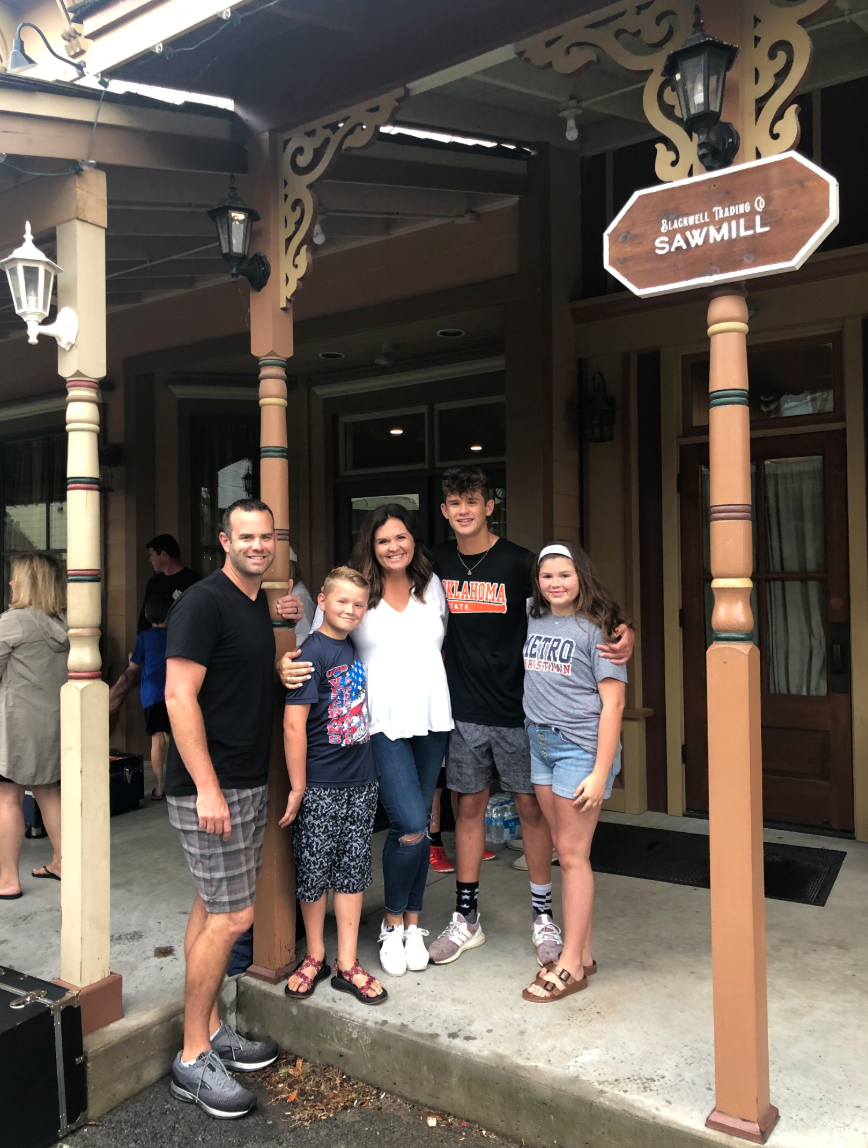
756,1132
101,1002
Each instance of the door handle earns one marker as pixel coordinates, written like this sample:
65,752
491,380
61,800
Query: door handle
837,658
839,661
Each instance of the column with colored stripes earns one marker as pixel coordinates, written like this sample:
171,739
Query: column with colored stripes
274,926
738,927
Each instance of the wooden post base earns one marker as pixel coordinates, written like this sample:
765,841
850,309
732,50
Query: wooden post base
101,1003
271,976
756,1133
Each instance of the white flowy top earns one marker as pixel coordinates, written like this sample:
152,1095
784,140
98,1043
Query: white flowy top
406,679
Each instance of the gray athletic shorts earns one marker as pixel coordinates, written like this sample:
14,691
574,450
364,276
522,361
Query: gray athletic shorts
478,755
225,872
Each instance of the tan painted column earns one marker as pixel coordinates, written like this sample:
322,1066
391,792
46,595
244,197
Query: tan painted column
738,921
271,342
85,890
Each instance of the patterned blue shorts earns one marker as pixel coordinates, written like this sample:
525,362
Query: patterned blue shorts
331,840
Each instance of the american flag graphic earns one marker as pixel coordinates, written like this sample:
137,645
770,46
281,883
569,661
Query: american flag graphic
348,709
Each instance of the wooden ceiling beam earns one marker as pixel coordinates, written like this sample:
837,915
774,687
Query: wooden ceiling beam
191,224
147,248
351,169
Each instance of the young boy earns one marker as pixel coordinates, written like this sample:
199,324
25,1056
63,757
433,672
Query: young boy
333,797
150,656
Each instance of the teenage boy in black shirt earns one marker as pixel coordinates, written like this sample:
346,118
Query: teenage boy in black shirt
487,581
219,664
170,578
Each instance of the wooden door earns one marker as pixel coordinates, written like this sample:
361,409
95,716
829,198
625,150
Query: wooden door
800,602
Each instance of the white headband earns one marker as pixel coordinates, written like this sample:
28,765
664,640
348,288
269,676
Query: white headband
555,548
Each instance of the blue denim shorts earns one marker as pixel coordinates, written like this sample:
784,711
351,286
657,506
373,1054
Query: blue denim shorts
562,764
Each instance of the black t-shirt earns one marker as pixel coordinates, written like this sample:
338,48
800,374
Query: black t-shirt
486,631
339,752
169,586
215,624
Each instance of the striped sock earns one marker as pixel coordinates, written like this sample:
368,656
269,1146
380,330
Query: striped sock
541,899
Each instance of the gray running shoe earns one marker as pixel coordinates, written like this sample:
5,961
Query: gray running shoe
207,1083
242,1055
458,936
546,937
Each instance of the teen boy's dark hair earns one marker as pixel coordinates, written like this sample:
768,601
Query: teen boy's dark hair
165,544
157,609
466,480
248,505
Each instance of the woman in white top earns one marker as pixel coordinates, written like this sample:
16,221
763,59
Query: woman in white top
303,626
399,641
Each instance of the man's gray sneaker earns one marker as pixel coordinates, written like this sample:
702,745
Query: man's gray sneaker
207,1083
242,1055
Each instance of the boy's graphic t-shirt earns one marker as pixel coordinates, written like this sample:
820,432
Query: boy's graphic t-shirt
562,672
338,741
150,654
486,630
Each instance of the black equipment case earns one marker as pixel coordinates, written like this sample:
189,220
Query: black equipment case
126,781
43,1070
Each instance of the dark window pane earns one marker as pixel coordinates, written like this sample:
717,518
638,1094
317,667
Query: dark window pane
797,638
24,484
225,468
369,444
795,527
57,492
461,428
790,382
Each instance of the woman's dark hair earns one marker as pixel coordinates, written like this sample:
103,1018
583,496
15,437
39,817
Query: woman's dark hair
594,601
364,557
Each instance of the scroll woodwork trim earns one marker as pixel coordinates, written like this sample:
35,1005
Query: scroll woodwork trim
640,36
306,154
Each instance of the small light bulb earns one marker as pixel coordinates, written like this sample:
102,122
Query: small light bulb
318,234
572,130
396,431
476,448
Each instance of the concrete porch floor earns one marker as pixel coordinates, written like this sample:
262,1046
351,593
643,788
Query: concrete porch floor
628,1062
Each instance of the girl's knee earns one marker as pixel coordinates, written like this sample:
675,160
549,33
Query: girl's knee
411,840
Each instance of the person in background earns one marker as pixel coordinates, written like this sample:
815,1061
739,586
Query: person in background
149,657
34,647
573,703
171,577
440,862
333,791
303,626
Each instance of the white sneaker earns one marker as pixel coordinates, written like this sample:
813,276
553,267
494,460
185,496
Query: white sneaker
393,959
458,936
414,948
546,939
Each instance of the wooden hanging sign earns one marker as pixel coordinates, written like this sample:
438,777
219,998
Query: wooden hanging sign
756,219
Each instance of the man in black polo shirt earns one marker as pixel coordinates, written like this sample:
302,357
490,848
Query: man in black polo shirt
170,578
219,664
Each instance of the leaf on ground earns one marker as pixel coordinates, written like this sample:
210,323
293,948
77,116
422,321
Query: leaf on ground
316,1092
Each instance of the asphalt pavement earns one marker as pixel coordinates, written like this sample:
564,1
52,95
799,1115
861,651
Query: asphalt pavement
153,1119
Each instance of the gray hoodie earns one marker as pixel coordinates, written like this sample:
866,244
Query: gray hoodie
33,655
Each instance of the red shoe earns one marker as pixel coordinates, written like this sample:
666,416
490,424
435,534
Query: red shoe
488,855
440,863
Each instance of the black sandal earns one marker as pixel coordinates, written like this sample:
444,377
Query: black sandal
320,970
157,797
343,982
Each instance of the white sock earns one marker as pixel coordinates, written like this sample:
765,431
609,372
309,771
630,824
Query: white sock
213,1034
189,1063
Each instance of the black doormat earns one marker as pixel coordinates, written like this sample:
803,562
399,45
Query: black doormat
792,872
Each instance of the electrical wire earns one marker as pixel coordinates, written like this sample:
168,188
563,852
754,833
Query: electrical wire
78,167
233,21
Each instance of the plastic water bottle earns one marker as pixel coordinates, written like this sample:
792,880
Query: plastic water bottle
498,831
511,822
489,823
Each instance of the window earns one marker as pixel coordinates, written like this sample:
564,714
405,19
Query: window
224,467
797,381
470,431
33,490
396,440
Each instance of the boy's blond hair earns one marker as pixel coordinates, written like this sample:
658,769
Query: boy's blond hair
39,583
344,574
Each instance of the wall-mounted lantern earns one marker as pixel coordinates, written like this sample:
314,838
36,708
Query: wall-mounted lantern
234,221
31,281
599,411
698,69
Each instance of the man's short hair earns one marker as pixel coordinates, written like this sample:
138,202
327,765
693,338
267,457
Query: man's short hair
344,574
157,609
462,480
165,544
248,505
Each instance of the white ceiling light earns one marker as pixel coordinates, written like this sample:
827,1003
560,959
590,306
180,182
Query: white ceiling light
318,234
570,111
477,447
329,355
396,431
450,333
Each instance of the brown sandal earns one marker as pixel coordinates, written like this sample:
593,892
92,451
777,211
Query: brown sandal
563,985
318,968
343,982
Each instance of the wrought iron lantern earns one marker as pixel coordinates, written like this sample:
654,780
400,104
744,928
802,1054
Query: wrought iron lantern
31,280
234,220
599,411
698,69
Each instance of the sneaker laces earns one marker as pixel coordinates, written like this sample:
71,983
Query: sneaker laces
235,1042
452,932
417,932
547,930
212,1060
389,931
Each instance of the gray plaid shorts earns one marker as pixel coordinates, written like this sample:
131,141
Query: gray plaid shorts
477,755
225,872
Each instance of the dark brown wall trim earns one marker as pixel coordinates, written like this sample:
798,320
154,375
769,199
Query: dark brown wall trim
651,574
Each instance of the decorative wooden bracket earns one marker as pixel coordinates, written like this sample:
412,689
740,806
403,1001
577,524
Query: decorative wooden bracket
306,153
640,37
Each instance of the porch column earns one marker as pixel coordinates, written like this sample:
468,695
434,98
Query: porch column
271,343
738,919
85,890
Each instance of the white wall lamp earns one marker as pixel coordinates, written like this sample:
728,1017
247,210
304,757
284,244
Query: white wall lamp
31,281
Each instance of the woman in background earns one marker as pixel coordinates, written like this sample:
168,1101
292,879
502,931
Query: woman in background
33,653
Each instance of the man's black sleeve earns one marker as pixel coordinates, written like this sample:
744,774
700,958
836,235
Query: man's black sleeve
144,624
